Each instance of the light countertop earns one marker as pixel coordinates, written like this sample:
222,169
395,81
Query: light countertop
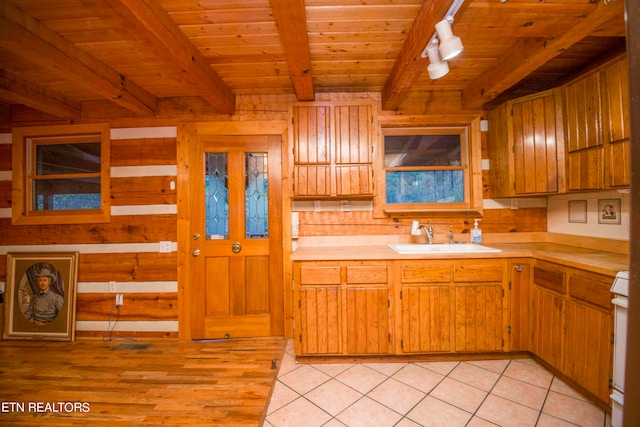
608,263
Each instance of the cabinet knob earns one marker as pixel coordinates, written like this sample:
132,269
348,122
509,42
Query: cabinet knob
195,252
518,268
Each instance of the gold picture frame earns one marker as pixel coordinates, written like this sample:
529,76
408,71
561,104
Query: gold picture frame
41,296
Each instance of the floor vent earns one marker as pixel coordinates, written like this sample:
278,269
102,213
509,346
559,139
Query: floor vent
132,347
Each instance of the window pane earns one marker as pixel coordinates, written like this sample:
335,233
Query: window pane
216,183
67,158
425,186
66,194
256,195
422,150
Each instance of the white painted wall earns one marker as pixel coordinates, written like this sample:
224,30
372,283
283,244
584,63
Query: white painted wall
558,215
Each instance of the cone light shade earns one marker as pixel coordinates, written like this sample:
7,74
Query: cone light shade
437,68
450,45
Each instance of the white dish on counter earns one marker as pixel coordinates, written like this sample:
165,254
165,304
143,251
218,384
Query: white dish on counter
441,248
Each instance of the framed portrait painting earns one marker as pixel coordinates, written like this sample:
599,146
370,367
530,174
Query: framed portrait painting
609,211
41,296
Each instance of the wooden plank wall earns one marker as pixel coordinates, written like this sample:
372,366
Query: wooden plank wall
143,166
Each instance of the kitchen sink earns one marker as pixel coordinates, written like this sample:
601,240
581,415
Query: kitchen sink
441,248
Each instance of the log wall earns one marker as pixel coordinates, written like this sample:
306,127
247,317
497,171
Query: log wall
144,213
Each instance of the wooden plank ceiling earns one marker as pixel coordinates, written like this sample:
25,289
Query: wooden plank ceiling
59,56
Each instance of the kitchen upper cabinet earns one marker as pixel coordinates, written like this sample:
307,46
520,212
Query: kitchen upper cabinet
596,118
342,307
332,149
616,123
526,146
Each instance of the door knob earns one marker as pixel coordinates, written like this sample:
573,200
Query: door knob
236,247
195,252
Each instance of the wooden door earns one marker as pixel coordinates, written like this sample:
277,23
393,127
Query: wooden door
235,183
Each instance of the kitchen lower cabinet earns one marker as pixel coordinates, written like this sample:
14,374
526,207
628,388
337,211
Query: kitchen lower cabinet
452,305
520,271
572,325
341,308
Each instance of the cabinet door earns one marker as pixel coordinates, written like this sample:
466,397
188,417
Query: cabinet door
582,113
312,180
615,100
353,125
367,313
619,164
354,180
589,351
318,320
426,319
479,317
520,279
311,135
535,145
585,170
547,309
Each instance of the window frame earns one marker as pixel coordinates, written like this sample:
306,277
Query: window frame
24,143
471,166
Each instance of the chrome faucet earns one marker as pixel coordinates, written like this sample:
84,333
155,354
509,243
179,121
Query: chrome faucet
416,227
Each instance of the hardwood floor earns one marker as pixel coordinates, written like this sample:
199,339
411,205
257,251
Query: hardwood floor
91,382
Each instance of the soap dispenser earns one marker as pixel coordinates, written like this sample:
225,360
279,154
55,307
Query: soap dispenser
476,233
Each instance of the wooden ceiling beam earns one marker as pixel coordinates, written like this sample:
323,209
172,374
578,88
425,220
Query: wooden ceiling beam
526,55
31,40
291,20
410,64
152,25
16,91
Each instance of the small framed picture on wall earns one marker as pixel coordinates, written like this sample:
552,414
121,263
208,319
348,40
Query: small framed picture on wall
609,211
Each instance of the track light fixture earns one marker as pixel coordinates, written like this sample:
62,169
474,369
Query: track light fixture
443,44
450,44
437,68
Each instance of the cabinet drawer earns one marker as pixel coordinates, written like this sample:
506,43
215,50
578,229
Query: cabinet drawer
478,273
549,279
425,273
591,289
320,275
367,274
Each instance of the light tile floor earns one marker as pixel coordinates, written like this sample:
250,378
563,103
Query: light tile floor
508,393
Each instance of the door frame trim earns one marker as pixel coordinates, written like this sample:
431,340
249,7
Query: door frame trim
186,131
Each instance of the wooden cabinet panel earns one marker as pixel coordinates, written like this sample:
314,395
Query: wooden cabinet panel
535,145
526,146
354,180
615,101
319,316
332,149
358,274
520,297
353,125
619,164
589,350
547,333
421,272
585,170
486,271
582,113
367,313
311,134
592,289
426,319
478,317
312,180
549,278
320,275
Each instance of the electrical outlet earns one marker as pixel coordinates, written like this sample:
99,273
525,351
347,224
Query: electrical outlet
164,247
113,287
119,300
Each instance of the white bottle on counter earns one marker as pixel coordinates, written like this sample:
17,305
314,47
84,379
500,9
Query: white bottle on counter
476,233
